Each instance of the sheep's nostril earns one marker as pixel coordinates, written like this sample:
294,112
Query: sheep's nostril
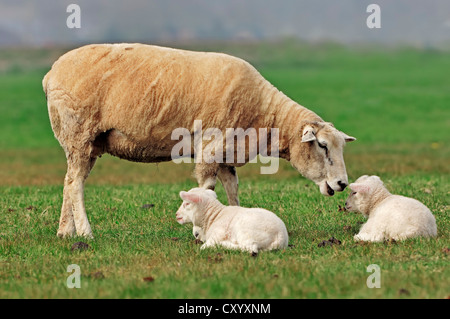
342,185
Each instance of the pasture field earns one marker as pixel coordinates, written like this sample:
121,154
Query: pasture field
394,101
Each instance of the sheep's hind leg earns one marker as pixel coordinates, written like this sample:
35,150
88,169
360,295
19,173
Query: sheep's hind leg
66,221
229,179
73,213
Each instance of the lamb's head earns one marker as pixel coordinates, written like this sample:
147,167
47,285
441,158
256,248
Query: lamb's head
193,202
317,153
364,192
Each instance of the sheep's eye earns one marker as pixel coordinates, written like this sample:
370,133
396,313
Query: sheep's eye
322,145
352,193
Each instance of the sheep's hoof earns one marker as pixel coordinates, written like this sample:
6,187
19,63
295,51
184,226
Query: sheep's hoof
254,254
65,234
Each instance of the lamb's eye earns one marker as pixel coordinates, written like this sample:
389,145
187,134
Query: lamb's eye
352,193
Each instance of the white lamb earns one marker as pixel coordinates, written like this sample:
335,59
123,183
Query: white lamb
234,227
389,216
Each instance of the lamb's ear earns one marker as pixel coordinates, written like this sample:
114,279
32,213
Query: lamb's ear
308,134
348,138
359,188
211,193
182,193
189,197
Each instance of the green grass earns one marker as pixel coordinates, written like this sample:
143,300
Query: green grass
394,101
132,243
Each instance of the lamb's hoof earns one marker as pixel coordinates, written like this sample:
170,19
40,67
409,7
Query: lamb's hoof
254,254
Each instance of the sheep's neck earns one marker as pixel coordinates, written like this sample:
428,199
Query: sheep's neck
287,116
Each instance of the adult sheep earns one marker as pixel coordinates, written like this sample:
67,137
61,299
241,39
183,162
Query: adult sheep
126,99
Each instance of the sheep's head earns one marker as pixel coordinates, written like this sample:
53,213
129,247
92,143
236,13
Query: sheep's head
317,153
363,193
193,200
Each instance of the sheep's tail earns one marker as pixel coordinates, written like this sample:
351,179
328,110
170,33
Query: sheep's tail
45,82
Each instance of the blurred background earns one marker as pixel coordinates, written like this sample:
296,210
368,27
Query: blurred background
43,23
389,87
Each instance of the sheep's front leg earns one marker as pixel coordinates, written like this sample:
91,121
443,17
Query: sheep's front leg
229,179
206,175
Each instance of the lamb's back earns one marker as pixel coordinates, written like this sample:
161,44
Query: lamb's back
405,216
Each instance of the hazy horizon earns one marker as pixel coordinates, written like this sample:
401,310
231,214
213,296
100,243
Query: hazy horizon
403,22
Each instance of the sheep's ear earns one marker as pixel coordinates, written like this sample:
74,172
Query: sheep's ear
189,197
359,188
308,134
348,138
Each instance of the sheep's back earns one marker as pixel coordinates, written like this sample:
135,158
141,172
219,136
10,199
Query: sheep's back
157,87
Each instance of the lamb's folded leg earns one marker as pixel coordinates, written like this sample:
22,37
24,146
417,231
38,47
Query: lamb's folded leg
364,236
208,243
198,233
229,245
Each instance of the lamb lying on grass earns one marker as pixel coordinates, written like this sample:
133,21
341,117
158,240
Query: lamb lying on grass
234,227
389,216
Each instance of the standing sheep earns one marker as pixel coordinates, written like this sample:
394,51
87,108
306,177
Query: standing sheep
127,99
389,216
234,227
